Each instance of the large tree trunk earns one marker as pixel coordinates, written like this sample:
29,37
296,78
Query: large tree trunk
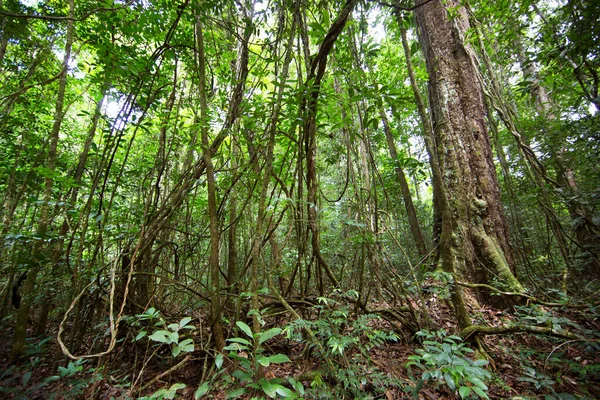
474,239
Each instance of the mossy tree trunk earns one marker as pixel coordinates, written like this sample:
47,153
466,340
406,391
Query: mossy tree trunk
474,241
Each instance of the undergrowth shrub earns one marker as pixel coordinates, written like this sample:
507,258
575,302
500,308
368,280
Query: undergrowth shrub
249,355
73,378
249,359
342,343
444,363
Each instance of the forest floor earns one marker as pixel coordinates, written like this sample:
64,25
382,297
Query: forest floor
328,354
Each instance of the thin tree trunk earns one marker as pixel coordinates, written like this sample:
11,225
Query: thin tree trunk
266,177
3,39
3,47
20,334
212,201
413,222
77,176
232,252
309,106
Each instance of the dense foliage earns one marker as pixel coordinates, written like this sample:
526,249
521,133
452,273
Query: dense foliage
286,192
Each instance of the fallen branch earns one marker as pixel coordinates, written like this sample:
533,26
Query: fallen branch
530,299
170,370
273,306
515,328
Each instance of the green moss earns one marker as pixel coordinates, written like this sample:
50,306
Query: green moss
495,256
479,206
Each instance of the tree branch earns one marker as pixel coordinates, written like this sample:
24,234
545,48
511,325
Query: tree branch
399,7
59,17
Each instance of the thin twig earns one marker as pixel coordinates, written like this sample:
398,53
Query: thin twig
562,344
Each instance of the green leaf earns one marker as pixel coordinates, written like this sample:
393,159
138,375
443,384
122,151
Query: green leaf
269,388
26,377
446,348
264,361
323,300
202,390
298,386
235,347
184,321
477,382
253,312
464,391
172,392
187,345
219,361
140,335
240,340
242,375
51,379
479,392
450,381
271,333
279,358
178,386
481,363
245,328
236,393
160,336
284,392
317,380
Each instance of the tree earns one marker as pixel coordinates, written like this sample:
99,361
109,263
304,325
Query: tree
475,242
